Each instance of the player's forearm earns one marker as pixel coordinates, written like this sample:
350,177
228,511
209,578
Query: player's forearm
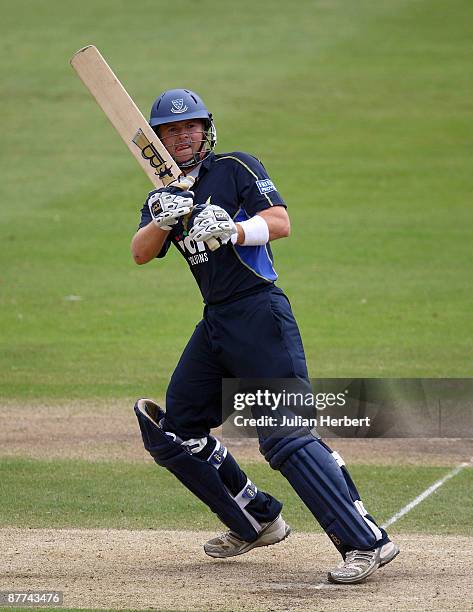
147,242
279,228
267,225
278,222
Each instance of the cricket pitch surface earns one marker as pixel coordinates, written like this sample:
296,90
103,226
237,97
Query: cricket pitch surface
168,570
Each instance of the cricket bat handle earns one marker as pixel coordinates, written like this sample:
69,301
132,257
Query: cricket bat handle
213,244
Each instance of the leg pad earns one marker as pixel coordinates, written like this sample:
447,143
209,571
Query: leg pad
325,487
216,479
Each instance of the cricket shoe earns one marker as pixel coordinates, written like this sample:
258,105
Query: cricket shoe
359,564
229,544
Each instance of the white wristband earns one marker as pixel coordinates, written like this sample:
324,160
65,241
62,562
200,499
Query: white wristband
256,231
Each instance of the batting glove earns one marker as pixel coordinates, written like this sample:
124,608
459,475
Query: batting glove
166,208
212,222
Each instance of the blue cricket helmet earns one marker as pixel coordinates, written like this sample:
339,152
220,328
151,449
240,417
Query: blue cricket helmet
180,105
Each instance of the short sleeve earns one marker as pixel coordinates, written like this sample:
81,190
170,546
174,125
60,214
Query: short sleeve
145,216
257,190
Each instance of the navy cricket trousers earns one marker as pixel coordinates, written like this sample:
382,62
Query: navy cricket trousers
255,336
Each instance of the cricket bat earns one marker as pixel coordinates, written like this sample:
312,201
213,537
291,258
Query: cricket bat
127,119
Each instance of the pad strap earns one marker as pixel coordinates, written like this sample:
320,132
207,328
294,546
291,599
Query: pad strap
217,456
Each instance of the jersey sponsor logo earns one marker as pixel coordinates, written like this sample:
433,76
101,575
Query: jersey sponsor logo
178,106
265,186
194,260
194,252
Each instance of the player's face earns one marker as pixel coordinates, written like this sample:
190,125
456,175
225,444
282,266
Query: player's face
183,139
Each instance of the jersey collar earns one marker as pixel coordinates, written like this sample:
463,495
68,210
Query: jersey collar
208,161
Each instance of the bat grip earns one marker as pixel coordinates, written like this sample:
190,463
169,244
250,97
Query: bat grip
213,244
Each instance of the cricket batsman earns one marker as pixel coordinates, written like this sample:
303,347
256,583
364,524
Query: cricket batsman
247,331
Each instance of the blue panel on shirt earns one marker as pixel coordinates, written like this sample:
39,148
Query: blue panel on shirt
258,258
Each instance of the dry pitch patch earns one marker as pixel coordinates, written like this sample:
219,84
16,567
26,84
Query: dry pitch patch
169,570
101,430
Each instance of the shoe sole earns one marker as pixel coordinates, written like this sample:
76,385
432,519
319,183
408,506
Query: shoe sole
258,543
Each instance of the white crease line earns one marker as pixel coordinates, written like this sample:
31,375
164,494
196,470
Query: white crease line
289,586
425,494
327,585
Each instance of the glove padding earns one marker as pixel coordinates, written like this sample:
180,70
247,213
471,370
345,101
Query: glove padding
212,222
168,204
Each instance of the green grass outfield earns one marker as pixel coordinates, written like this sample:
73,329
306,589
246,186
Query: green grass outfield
361,112
81,494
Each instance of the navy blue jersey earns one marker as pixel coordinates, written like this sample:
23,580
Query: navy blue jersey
239,183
